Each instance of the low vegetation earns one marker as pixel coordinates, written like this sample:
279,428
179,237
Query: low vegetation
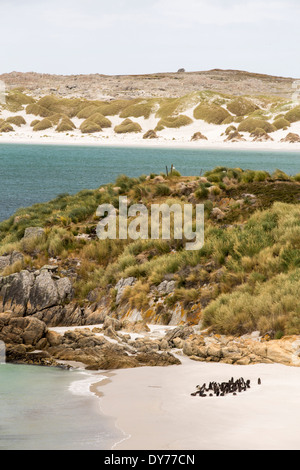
128,126
212,114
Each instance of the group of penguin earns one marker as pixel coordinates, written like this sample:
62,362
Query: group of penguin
223,388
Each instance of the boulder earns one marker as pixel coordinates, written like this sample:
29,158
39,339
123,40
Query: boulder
151,134
33,232
166,287
291,138
198,136
10,259
43,293
15,291
121,285
28,293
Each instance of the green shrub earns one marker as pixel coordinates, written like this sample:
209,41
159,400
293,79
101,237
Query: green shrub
37,110
174,122
88,111
114,108
89,127
280,176
270,306
241,106
211,114
228,120
17,120
162,190
101,120
293,115
42,125
65,125
6,127
143,109
34,122
127,126
16,99
201,192
281,123
251,124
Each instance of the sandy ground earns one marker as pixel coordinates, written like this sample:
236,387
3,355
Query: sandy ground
172,138
154,408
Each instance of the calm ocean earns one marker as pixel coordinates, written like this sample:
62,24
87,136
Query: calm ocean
45,408
38,173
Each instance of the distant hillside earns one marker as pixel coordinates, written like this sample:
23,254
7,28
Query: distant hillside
97,86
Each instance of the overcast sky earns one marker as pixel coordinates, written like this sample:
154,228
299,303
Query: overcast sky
146,36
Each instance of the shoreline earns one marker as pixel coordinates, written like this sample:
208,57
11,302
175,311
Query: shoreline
154,409
159,143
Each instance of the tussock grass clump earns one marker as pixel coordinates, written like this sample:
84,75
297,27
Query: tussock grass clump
281,123
143,109
267,307
250,124
127,126
89,127
64,106
241,106
162,190
174,122
101,120
279,175
211,114
88,111
16,120
16,100
293,115
34,122
114,108
37,110
65,125
42,125
6,127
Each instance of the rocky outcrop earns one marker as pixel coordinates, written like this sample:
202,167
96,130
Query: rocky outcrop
27,293
291,138
249,349
121,285
28,340
198,136
10,259
151,134
235,136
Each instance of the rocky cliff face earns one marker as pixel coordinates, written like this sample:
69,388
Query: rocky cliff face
33,303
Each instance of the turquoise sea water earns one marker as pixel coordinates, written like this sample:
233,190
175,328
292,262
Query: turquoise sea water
43,408
38,173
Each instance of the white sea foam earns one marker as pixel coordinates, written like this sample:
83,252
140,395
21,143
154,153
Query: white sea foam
83,387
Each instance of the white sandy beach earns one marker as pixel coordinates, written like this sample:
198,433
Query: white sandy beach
171,138
154,408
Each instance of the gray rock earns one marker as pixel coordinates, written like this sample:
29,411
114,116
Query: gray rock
166,287
27,293
120,286
15,290
43,294
64,289
8,260
31,232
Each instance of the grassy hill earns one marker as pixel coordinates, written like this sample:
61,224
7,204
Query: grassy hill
245,278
